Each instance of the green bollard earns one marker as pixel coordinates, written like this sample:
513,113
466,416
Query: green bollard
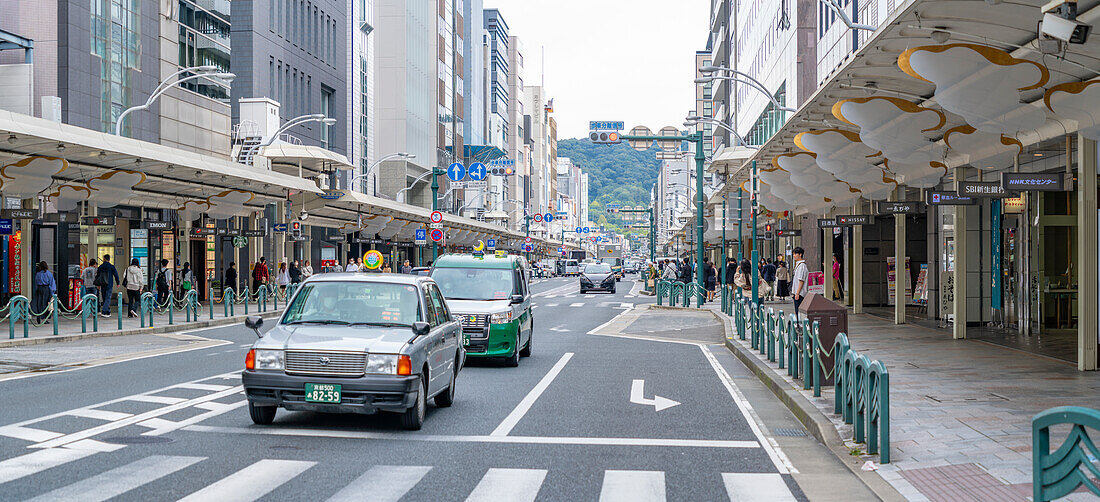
275,299
815,343
119,311
246,299
171,305
55,307
211,300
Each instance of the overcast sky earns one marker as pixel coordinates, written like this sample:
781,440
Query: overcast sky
611,59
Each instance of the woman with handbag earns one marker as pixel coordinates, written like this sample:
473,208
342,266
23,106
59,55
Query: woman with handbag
133,279
187,279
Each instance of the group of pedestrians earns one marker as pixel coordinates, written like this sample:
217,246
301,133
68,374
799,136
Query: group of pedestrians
98,278
684,271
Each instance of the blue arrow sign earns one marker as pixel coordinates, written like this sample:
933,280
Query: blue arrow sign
279,227
492,244
599,238
586,230
548,218
478,171
421,234
456,172
579,230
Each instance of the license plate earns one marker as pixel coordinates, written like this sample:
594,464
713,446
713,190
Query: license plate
322,393
465,340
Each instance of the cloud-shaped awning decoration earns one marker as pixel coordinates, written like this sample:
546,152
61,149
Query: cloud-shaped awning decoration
192,209
838,151
228,204
28,177
68,197
983,149
894,126
918,175
980,83
110,189
1078,101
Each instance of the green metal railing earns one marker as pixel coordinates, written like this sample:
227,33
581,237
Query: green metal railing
861,385
1055,475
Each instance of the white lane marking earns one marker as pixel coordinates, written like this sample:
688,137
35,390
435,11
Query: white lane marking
576,304
382,483
756,486
93,445
625,305
550,296
508,485
118,424
552,304
222,408
120,480
252,482
28,433
560,328
109,416
548,440
570,296
33,463
156,399
589,296
637,396
203,386
633,486
782,463
157,423
521,409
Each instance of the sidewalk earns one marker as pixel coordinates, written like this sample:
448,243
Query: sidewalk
960,409
69,325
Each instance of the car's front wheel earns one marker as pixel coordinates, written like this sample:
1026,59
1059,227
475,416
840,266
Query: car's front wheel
413,418
513,360
447,398
526,352
261,415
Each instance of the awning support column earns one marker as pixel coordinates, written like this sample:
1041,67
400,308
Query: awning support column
855,289
26,268
826,259
900,272
1086,254
961,252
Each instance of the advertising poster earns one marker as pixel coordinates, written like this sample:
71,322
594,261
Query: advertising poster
891,278
15,270
817,283
920,294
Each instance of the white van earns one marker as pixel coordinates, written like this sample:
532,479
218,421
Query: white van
572,268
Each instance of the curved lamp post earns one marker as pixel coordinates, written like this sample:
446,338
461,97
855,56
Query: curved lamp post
376,163
301,119
403,190
694,120
205,71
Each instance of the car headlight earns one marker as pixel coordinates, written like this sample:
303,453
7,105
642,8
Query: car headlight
385,364
585,280
500,317
269,359
609,278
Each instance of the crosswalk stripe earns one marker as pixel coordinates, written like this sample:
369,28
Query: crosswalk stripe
28,433
508,485
109,416
252,482
756,486
31,463
120,480
382,483
146,398
576,304
204,386
589,296
633,486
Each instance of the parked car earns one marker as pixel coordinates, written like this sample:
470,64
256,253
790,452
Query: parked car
492,298
572,267
598,276
358,343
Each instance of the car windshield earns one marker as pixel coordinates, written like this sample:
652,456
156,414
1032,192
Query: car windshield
597,268
475,283
354,302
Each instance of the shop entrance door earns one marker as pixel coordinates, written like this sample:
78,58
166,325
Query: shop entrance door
198,266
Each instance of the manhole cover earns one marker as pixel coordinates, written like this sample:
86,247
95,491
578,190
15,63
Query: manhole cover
789,432
138,440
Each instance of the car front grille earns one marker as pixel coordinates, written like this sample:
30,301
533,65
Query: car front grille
475,332
473,320
306,362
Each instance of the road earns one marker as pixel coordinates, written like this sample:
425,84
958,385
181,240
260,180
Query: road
617,402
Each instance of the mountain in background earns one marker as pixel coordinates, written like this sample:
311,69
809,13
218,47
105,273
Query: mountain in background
616,174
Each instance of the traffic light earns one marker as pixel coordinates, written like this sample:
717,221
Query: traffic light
601,137
767,227
296,228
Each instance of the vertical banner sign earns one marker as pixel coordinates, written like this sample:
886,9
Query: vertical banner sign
15,270
995,252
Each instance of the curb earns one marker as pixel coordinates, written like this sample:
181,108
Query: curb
154,330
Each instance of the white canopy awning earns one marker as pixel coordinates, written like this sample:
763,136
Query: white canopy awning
287,158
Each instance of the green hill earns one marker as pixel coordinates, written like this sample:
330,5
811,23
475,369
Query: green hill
616,174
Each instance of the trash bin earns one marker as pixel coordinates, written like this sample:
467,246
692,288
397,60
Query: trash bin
832,319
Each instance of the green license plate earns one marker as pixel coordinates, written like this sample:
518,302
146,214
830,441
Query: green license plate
465,340
322,393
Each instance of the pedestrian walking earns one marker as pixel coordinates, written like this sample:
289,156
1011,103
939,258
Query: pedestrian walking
801,279
87,279
307,270
406,268
283,277
187,279
260,275
744,277
767,273
133,280
106,275
782,280
670,273
294,272
710,278
352,267
44,288
230,278
685,271
838,288
731,271
163,281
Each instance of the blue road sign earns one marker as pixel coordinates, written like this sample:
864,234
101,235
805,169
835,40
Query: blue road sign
478,171
548,217
421,234
492,244
279,227
561,250
579,230
586,230
599,238
456,172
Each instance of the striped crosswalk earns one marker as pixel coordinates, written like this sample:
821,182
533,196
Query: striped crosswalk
382,482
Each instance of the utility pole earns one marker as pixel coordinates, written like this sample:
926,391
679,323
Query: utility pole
722,279
435,205
755,249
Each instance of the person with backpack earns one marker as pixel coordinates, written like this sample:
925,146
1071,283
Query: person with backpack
260,275
87,279
44,289
163,281
133,279
106,276
187,279
230,278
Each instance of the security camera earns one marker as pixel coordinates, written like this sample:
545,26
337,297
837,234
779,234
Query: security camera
1060,22
303,215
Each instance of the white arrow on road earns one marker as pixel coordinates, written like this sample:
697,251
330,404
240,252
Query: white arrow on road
637,390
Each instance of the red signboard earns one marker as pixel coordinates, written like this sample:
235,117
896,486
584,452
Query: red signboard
15,270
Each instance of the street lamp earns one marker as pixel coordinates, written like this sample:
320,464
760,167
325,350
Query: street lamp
301,119
370,168
403,190
205,71
693,120
752,83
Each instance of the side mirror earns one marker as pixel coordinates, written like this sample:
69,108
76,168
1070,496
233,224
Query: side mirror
421,328
254,322
517,299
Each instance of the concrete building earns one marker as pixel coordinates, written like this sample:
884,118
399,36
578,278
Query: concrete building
362,50
518,132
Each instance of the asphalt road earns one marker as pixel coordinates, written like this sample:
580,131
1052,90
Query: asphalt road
561,426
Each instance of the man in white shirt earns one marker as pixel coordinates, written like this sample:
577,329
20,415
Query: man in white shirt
801,279
352,267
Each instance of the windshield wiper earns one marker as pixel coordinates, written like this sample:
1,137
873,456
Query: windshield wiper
384,324
319,321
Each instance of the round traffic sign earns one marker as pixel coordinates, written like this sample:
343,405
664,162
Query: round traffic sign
478,171
437,217
527,247
456,172
373,259
586,229
537,217
527,240
437,234
548,218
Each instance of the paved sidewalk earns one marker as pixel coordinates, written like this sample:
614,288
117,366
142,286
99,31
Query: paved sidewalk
960,409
